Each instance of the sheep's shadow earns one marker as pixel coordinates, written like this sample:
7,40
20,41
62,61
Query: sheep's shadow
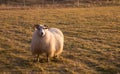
44,60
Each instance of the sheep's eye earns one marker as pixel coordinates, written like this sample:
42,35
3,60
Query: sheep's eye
38,28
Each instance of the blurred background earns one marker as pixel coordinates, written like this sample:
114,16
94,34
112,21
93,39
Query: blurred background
59,3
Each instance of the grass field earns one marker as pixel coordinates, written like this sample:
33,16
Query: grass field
92,40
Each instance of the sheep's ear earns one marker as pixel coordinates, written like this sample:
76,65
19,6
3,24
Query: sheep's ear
36,26
46,27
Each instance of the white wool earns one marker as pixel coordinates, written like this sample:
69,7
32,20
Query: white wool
51,43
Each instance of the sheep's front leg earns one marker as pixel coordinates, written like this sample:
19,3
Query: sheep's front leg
48,58
49,55
37,57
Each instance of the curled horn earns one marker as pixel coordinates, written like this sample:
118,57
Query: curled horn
36,26
46,27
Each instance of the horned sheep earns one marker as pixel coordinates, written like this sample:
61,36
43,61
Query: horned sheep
47,40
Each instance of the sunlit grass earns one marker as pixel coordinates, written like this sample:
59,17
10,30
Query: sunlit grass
91,40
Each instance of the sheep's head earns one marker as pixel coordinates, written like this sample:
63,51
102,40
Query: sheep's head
41,29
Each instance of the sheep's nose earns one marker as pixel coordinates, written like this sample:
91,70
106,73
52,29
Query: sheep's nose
42,33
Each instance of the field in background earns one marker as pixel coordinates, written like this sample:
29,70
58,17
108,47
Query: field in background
92,40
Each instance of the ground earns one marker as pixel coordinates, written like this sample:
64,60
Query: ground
92,40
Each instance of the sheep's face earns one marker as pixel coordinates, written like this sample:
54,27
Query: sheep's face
41,30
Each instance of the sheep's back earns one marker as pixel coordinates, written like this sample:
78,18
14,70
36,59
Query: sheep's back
56,31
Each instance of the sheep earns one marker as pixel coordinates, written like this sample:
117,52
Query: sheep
47,40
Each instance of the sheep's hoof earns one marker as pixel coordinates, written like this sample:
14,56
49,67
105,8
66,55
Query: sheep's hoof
38,59
48,60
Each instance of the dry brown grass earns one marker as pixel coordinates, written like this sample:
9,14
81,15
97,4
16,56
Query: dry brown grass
92,40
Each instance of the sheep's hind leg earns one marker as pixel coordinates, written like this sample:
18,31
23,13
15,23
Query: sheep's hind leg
49,55
56,58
